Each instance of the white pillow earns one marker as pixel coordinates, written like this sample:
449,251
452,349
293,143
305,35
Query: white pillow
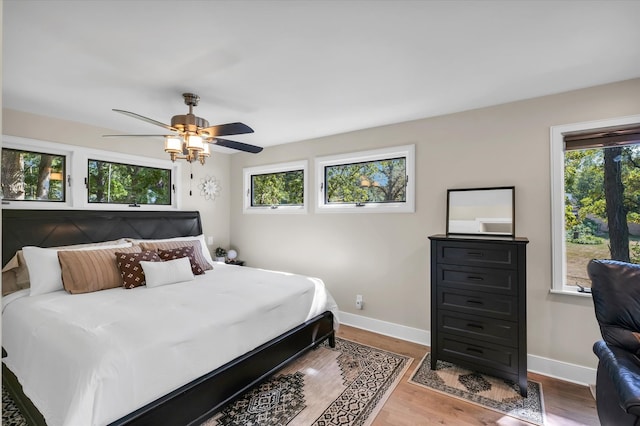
44,268
200,238
168,272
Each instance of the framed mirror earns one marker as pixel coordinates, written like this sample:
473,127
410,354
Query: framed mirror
481,211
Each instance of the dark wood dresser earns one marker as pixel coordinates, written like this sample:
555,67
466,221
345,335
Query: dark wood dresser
479,305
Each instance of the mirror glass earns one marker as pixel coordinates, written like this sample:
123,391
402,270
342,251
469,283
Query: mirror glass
484,211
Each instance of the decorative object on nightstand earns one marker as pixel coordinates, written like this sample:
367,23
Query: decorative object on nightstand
232,258
209,188
221,254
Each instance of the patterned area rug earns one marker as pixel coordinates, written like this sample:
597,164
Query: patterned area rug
346,385
487,391
11,416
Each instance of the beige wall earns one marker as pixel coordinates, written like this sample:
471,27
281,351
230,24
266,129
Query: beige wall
214,214
384,257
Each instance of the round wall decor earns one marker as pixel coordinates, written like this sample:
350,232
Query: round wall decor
209,188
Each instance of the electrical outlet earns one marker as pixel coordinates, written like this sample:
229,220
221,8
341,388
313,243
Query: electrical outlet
210,240
359,302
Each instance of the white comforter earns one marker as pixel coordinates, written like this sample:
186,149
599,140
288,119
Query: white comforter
89,359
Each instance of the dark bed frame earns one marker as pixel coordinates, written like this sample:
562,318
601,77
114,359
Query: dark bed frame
198,400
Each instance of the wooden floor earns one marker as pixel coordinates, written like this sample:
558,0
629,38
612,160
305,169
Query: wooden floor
410,405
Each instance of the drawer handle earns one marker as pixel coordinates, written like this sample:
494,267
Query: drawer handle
476,350
475,302
473,278
475,254
478,326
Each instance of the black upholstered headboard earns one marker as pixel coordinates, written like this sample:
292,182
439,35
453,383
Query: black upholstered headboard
49,228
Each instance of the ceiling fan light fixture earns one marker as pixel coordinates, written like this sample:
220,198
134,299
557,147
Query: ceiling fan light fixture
194,143
206,152
192,134
172,144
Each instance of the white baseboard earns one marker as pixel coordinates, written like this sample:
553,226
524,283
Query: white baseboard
574,373
403,332
536,364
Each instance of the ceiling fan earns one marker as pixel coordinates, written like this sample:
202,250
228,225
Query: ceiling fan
192,135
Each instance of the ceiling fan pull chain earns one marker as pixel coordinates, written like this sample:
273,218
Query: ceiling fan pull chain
191,179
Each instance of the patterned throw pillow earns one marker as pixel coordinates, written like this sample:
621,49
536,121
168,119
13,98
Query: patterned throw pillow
177,253
130,270
165,245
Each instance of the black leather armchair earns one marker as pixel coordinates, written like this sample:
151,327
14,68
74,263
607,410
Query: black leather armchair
616,298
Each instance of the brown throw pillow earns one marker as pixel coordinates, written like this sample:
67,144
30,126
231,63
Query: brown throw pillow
91,270
131,272
9,283
166,245
177,253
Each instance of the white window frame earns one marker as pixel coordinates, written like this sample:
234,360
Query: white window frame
77,170
408,206
248,172
558,246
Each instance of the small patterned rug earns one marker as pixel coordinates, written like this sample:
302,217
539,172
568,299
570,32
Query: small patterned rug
346,385
481,389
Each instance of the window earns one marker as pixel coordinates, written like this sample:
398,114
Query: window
32,176
596,197
84,178
371,181
276,188
119,183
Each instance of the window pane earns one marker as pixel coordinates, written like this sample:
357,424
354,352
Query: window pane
128,184
278,189
382,181
601,185
32,176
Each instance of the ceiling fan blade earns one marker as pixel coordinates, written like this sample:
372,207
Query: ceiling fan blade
138,136
227,129
237,145
147,119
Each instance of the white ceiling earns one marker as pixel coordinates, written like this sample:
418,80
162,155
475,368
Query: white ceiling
295,70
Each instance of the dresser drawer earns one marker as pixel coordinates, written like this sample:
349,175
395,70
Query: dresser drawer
475,327
478,353
478,254
485,304
478,279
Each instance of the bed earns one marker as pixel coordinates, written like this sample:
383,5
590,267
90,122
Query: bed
180,376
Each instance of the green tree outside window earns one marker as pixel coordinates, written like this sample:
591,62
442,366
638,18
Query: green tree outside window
278,189
32,176
128,184
602,200
382,181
